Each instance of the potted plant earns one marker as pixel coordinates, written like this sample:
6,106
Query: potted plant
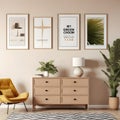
113,72
47,67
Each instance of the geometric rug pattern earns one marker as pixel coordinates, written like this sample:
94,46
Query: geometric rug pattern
61,116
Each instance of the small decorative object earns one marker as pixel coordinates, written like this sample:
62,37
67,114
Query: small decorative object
68,30
40,75
95,31
113,73
47,67
17,31
43,32
78,62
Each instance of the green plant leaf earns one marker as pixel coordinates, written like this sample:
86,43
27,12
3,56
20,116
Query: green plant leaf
48,66
113,66
106,73
106,59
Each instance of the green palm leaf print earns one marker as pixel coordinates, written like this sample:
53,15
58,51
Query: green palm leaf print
95,29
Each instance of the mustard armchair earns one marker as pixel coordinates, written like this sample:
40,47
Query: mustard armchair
9,94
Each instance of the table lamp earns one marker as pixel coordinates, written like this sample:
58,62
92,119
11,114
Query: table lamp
77,63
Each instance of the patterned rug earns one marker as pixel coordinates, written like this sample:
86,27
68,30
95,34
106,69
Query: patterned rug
61,116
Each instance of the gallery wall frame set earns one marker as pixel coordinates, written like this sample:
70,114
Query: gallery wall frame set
68,31
96,31
17,31
42,29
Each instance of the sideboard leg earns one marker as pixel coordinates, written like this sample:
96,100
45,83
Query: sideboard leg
86,106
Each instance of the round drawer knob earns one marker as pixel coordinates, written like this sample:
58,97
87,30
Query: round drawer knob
46,98
46,90
46,81
74,90
75,81
75,99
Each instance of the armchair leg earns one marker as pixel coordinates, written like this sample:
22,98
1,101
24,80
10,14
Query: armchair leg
8,109
25,107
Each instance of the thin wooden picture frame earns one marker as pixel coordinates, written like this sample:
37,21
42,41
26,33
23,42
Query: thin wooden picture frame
17,31
43,32
69,31
96,31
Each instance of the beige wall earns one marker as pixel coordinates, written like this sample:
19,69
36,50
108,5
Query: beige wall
20,65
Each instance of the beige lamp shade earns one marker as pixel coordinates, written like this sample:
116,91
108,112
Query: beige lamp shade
78,62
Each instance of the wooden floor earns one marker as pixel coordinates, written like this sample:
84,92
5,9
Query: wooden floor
3,114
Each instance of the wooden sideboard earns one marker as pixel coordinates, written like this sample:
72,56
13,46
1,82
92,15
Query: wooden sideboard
60,91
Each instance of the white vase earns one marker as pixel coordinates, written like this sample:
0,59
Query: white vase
46,74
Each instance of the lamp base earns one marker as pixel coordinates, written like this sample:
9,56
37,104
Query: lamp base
78,72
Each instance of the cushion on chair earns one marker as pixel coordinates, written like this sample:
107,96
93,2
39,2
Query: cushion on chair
21,97
7,92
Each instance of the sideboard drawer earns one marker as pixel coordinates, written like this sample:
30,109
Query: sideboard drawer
75,82
47,91
75,91
46,82
48,100
75,100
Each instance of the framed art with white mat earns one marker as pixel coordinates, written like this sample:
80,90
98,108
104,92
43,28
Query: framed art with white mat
68,31
17,31
42,32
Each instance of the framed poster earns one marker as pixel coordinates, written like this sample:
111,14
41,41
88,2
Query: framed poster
68,32
42,32
95,31
17,31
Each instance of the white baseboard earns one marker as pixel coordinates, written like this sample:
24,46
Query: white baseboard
30,106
